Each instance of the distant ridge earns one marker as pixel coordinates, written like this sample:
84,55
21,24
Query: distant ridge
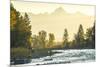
59,10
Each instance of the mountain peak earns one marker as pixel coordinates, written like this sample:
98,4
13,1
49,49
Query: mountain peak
60,10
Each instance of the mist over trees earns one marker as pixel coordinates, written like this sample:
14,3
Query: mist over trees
81,39
21,35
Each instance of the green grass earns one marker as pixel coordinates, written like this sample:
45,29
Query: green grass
20,52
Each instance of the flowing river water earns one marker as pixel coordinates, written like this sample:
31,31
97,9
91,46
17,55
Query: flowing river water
64,56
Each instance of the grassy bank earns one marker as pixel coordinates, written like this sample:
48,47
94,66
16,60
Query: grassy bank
37,53
20,55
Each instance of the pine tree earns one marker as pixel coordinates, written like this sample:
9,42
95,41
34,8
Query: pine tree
79,37
90,37
20,29
65,39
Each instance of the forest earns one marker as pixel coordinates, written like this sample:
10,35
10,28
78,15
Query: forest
23,43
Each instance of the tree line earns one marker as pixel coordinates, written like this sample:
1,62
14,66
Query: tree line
21,35
81,40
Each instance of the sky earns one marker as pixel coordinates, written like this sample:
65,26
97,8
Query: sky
54,18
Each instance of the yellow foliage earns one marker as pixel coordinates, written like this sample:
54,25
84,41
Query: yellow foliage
12,19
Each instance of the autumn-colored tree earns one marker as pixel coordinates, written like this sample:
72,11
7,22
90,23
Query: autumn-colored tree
20,29
14,18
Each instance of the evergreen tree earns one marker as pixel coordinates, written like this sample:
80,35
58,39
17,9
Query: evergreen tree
65,39
20,29
90,37
79,37
14,18
93,36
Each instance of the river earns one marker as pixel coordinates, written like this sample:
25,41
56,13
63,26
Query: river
64,56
